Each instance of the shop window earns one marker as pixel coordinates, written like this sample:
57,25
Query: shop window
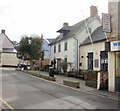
104,61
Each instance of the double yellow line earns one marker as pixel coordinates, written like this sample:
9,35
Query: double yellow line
5,103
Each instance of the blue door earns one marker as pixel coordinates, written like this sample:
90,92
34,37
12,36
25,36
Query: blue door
117,83
117,78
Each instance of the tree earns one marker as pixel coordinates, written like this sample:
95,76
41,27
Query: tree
30,48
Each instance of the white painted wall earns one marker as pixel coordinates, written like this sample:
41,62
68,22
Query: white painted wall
68,52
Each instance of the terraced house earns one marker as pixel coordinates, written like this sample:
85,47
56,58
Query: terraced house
66,45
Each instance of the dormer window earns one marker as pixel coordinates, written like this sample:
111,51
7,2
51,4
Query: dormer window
61,35
64,30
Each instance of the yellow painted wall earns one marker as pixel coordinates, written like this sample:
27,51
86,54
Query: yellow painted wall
84,50
9,59
117,63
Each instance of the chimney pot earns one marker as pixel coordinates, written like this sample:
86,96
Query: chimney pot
2,31
93,10
65,24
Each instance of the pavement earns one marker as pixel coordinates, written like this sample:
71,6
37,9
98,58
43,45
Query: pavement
83,87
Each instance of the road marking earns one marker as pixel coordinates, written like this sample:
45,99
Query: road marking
3,101
81,90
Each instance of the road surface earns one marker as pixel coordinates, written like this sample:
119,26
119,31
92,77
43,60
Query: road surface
22,91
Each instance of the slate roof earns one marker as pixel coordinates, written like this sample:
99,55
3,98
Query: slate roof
97,36
50,40
6,45
72,29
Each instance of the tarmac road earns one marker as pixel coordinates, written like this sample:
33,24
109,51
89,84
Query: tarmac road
22,91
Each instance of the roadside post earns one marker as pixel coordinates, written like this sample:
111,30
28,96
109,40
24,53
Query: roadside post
39,66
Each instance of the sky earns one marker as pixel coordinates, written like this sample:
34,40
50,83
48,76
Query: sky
36,17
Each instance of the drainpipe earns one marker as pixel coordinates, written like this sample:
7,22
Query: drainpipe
77,51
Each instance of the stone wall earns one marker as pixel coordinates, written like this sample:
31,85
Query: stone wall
114,11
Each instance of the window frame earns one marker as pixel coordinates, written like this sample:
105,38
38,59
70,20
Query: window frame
59,47
65,46
54,50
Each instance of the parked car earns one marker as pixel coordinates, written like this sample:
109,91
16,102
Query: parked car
24,65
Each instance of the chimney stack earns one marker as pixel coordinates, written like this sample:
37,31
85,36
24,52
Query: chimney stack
93,10
2,31
65,24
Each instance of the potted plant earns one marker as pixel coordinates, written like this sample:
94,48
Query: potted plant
90,75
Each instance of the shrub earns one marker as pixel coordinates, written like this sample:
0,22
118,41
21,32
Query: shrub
64,66
56,71
61,73
45,68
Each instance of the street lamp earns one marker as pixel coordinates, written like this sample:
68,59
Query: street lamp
39,66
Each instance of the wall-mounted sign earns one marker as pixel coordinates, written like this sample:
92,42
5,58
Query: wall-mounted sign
106,22
115,46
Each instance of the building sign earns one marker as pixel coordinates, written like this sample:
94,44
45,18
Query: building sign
115,46
106,22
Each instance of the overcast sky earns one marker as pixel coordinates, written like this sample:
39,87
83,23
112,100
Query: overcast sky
19,17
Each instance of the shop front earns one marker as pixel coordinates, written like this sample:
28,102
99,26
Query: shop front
117,83
115,48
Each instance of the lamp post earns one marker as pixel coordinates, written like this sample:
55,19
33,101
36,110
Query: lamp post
40,65
30,42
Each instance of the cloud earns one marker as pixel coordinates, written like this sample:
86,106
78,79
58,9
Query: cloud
20,17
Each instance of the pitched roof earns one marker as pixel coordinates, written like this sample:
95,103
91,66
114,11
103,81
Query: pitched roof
50,40
97,36
72,30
